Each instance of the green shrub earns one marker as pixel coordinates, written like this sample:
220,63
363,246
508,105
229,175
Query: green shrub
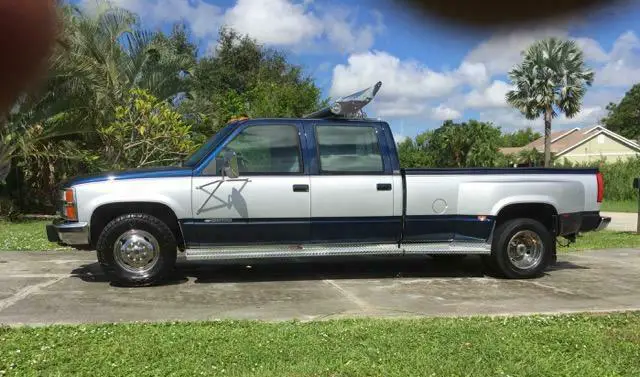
8,209
618,177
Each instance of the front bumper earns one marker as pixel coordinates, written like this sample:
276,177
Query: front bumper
68,233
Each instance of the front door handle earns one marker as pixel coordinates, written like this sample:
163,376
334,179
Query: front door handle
300,188
384,186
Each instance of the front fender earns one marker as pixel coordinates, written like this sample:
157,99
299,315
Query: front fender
174,193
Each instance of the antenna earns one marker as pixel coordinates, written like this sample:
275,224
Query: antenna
350,106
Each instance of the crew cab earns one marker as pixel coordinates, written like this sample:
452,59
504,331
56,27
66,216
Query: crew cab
321,186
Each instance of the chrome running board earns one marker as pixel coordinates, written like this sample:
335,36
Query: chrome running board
333,250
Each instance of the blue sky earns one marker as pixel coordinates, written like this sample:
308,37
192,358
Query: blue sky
430,71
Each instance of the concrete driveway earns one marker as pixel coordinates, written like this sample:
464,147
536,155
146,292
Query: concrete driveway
622,221
67,287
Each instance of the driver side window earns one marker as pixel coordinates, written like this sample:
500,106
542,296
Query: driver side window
270,149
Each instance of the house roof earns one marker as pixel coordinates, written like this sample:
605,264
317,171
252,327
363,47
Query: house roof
564,141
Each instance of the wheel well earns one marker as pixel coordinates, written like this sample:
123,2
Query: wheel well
545,213
107,212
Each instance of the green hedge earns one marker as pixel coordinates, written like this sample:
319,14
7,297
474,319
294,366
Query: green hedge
618,177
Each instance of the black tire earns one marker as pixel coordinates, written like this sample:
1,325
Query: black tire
499,261
162,265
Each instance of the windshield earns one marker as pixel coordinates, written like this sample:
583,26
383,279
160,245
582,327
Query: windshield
216,139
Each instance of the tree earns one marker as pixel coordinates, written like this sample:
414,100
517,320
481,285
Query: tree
146,132
412,153
551,79
624,118
101,56
519,138
246,78
467,144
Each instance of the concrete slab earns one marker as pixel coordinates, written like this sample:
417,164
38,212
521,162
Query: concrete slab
622,221
68,287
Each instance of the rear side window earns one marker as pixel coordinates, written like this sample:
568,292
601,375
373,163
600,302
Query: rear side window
349,149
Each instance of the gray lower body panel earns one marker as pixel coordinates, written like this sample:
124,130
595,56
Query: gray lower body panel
334,250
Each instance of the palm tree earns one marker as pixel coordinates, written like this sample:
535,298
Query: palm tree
100,57
551,79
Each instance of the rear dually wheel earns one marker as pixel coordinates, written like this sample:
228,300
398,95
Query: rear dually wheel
522,249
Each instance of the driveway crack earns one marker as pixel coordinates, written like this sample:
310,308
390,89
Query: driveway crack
26,292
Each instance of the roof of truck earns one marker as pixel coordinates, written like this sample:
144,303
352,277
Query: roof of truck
308,120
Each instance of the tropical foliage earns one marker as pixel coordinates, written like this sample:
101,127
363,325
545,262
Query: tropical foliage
552,79
624,117
118,96
618,177
519,138
467,144
146,132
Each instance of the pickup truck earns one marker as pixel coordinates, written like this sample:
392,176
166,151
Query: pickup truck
329,184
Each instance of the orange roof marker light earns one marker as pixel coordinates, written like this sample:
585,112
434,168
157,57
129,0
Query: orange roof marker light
350,106
236,119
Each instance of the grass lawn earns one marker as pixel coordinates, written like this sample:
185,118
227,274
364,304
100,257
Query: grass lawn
603,240
25,236
620,206
31,236
569,345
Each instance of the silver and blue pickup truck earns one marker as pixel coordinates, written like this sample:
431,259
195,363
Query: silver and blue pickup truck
329,184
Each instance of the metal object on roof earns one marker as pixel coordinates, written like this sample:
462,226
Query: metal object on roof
350,106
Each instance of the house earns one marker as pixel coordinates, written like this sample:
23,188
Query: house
584,145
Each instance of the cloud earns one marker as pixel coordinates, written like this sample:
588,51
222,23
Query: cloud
615,69
400,107
346,35
407,85
203,18
473,73
400,79
443,112
623,67
510,119
592,50
489,97
282,23
586,117
275,22
503,50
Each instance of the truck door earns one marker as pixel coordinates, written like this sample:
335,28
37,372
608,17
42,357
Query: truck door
268,203
352,185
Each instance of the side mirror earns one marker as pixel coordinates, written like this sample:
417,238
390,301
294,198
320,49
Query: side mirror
227,164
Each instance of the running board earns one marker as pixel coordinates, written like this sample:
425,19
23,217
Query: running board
300,251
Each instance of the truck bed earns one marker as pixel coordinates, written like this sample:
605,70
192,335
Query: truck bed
503,171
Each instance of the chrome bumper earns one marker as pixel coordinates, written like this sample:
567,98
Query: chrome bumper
604,222
68,233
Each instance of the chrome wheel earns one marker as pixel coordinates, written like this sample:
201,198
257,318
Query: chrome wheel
525,250
136,251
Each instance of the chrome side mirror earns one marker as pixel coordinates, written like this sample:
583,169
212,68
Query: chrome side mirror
228,164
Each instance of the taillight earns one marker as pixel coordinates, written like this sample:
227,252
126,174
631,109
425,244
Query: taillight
69,205
600,186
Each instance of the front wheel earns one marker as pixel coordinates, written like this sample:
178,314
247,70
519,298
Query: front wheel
137,249
522,249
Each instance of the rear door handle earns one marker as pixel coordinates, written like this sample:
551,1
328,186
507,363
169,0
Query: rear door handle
384,186
300,188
